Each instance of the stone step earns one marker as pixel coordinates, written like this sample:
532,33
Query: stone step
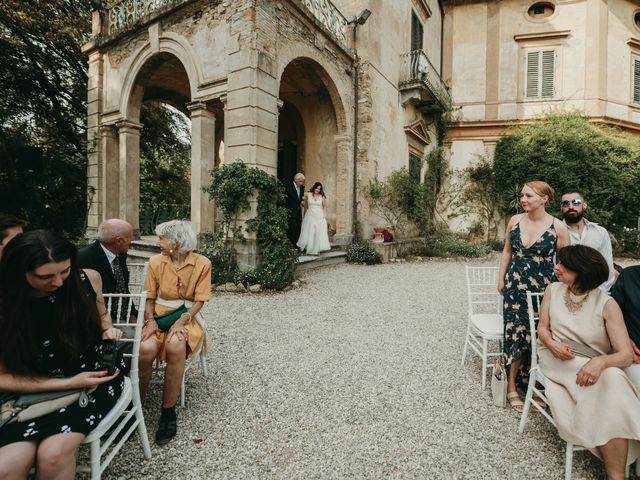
142,250
310,262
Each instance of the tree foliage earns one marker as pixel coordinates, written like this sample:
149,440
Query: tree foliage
43,146
567,151
42,110
165,155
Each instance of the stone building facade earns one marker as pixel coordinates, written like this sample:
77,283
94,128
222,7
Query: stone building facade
511,61
284,85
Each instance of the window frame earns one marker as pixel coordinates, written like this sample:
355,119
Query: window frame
541,52
416,21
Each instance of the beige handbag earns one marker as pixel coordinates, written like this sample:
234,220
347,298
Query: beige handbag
499,384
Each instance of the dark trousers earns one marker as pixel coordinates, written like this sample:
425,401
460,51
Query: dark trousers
295,222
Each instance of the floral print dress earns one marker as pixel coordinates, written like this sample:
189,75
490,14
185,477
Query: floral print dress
73,418
531,269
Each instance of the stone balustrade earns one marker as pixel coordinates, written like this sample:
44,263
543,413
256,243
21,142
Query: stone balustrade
123,14
330,17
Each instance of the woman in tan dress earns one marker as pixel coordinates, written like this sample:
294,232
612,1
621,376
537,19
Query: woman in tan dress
592,401
176,277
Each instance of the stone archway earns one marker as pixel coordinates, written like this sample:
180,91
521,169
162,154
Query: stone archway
164,76
310,135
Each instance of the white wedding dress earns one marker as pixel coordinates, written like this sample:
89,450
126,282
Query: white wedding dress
314,237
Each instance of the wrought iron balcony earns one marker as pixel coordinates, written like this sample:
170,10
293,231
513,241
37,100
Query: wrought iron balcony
123,14
421,84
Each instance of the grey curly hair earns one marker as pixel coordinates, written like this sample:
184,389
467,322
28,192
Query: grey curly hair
180,232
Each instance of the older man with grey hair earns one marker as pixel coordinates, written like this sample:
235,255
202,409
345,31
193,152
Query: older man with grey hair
108,256
295,195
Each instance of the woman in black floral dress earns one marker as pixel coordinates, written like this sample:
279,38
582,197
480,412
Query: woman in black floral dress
53,319
527,264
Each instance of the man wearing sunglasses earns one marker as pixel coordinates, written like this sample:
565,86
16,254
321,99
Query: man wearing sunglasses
584,232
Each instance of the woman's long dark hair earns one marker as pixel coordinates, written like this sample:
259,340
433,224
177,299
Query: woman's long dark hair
316,185
77,321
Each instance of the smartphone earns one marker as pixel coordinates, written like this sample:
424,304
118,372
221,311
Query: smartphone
109,356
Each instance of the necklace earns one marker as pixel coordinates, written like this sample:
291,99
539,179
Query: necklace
572,305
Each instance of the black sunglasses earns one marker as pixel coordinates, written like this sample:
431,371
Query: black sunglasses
576,202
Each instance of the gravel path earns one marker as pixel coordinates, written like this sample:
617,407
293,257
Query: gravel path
355,375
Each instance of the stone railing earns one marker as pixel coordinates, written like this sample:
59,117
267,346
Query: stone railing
125,13
417,69
330,17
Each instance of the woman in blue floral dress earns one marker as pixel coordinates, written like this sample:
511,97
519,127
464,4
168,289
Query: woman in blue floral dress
527,264
53,320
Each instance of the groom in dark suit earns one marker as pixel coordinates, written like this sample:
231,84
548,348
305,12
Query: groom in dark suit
108,256
295,194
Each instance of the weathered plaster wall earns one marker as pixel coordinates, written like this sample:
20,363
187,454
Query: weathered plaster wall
381,41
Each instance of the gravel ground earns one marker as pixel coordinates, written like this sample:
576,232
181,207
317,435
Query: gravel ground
355,375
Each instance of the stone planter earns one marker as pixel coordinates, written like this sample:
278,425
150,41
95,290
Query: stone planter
378,238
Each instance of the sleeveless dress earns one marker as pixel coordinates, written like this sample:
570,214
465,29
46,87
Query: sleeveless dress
72,418
531,269
314,236
612,401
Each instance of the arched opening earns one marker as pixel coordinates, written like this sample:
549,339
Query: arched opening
169,157
307,128
165,141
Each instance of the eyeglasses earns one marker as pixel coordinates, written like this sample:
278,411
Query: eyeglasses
576,202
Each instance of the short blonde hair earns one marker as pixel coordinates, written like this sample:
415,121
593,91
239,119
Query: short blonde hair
180,232
541,188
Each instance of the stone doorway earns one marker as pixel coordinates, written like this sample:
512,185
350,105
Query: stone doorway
308,129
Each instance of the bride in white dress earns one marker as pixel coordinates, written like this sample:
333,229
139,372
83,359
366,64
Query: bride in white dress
314,237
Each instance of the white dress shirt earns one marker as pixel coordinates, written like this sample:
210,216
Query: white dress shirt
595,236
110,255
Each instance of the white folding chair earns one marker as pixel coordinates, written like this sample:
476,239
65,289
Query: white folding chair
199,357
137,276
536,376
128,406
485,321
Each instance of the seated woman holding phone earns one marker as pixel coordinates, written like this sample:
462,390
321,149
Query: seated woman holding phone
178,283
53,321
583,347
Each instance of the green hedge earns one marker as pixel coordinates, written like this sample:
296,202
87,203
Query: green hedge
363,252
567,151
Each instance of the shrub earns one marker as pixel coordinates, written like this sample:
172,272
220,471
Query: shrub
450,245
399,200
224,261
232,186
568,151
363,252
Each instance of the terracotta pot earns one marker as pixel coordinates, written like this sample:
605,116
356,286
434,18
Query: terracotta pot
378,238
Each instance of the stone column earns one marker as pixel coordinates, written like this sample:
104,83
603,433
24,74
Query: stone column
95,78
129,173
203,157
344,190
110,172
